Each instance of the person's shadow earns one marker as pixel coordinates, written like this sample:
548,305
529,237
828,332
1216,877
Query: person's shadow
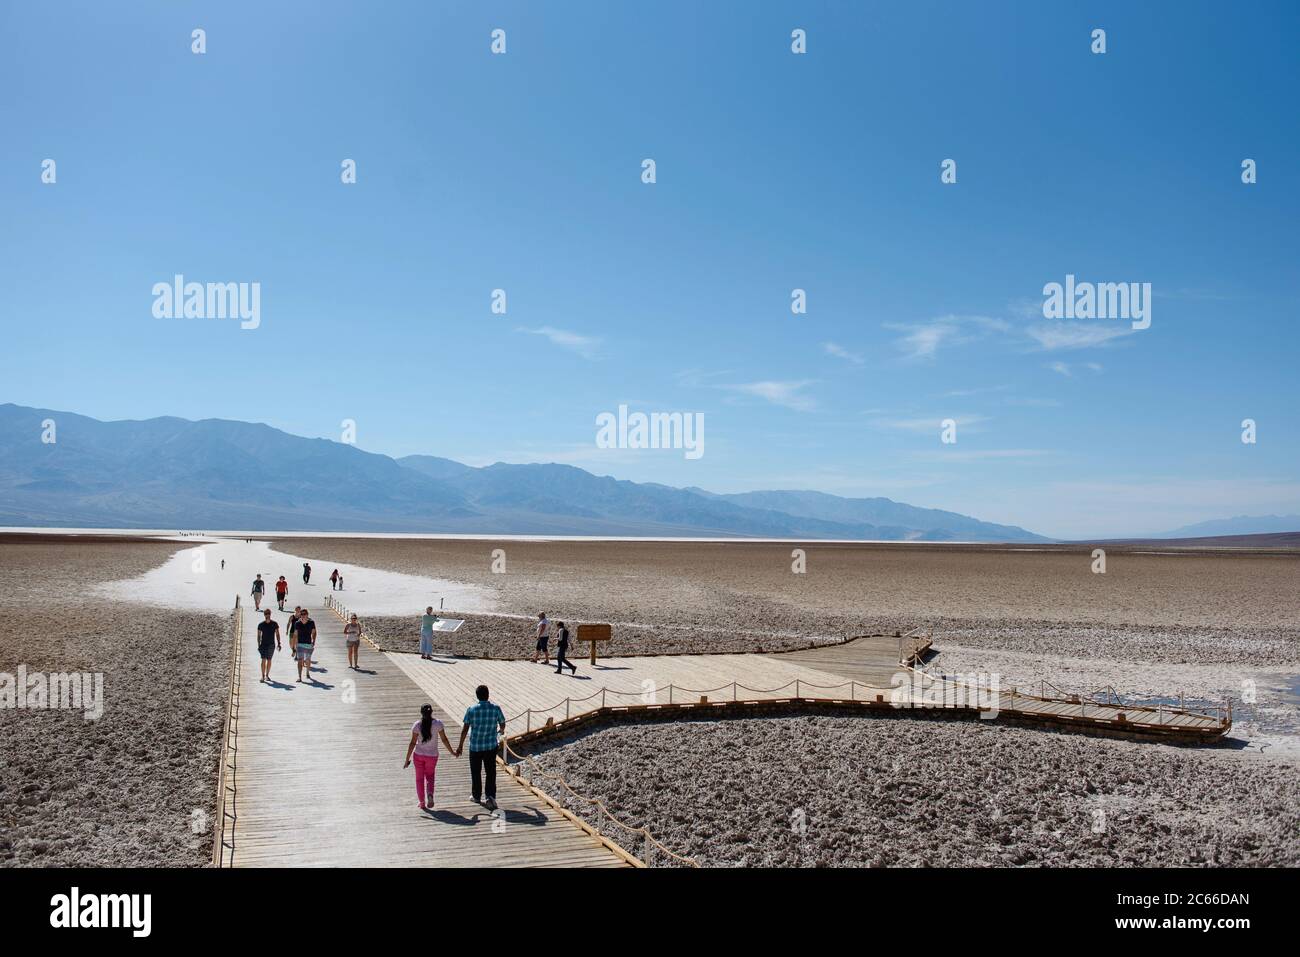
450,817
279,685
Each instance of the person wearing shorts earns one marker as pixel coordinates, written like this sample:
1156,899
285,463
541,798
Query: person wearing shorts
303,639
259,589
427,621
543,637
352,632
268,640
281,592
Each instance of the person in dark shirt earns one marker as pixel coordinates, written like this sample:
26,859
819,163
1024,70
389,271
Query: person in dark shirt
561,651
306,573
268,641
303,640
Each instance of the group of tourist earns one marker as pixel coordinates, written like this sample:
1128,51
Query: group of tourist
482,722
302,640
561,645
282,585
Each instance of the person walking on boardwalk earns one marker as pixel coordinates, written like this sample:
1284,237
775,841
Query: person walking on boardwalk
352,632
543,636
427,621
424,746
481,723
306,572
268,641
562,649
281,592
302,639
259,588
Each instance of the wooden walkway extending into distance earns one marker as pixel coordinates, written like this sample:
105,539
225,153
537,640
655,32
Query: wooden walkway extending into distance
316,775
318,780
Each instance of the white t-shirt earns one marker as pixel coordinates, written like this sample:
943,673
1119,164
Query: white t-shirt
428,749
543,626
352,632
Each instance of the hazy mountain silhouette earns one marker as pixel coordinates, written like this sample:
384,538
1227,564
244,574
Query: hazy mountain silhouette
216,473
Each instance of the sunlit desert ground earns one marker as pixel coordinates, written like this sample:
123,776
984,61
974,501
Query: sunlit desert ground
136,787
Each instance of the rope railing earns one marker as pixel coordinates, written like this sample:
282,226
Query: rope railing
644,832
1220,713
227,765
799,684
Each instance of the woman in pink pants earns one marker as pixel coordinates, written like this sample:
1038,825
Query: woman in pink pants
424,747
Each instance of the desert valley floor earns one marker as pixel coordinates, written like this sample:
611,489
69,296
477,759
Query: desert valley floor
137,785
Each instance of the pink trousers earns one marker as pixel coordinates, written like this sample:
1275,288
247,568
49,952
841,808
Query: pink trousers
425,767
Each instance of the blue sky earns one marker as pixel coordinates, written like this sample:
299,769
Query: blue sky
775,171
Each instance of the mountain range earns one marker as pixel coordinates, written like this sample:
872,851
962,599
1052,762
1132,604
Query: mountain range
220,474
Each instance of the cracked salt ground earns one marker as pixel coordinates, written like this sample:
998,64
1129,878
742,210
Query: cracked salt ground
923,792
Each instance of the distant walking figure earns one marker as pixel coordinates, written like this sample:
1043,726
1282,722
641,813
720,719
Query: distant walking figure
268,640
259,588
340,581
302,639
561,650
427,621
424,745
281,592
543,636
334,579
352,632
306,573
481,723
223,564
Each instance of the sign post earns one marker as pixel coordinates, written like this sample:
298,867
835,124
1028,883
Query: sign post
593,634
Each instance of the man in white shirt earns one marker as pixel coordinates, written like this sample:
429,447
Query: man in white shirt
543,636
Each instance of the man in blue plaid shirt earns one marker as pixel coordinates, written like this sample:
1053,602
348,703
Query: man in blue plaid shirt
481,723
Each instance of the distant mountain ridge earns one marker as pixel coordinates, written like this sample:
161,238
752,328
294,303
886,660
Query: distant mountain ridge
1238,525
217,473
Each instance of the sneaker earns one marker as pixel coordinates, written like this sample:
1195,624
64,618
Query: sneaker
490,804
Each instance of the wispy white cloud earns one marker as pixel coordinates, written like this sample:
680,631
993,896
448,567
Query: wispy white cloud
923,340
928,423
839,352
789,394
1067,370
585,346
1053,334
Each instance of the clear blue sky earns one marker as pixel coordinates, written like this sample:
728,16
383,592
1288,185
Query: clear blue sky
775,171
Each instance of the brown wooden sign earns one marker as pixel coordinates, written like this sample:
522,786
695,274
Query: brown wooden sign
593,634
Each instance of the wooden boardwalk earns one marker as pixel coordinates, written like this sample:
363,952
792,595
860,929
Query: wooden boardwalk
318,777
872,660
535,692
863,669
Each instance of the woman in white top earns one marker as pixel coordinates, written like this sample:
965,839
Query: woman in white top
352,632
424,745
